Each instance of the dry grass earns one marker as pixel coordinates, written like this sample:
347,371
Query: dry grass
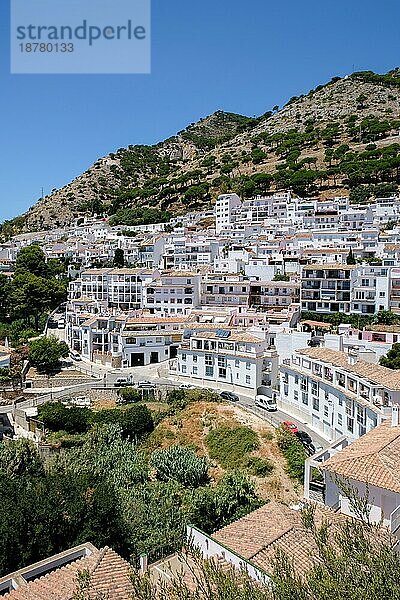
191,426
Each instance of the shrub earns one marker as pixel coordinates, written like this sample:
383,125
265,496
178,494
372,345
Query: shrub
134,421
261,467
129,395
57,417
230,445
293,451
181,464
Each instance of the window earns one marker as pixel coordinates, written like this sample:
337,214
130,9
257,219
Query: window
237,363
209,360
315,403
381,294
296,379
304,398
296,396
248,379
183,356
194,370
326,411
340,419
183,368
248,365
195,358
209,371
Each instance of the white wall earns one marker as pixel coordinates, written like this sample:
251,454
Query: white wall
211,548
287,343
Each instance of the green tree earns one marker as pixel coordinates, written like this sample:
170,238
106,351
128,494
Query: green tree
293,451
392,359
4,297
386,317
350,260
31,259
119,259
58,417
46,352
129,395
19,458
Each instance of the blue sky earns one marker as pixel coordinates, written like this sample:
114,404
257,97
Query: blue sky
207,55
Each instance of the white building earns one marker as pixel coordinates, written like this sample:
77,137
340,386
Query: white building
233,359
173,293
224,207
370,289
367,468
337,393
110,288
325,288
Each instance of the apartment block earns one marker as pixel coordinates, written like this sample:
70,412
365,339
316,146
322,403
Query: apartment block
337,393
325,288
235,358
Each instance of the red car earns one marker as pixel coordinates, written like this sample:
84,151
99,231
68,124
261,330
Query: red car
290,427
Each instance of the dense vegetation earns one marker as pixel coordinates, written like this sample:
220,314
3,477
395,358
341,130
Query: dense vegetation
37,287
382,317
112,483
231,446
46,352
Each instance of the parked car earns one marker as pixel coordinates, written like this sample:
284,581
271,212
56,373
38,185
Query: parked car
145,384
186,386
304,437
290,427
307,442
121,382
75,355
61,324
265,402
229,396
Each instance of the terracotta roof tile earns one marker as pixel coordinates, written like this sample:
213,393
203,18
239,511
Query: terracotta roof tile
109,574
257,536
373,458
375,373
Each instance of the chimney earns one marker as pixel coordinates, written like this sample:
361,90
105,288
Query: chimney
143,563
395,415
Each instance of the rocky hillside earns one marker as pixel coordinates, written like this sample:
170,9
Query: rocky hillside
341,138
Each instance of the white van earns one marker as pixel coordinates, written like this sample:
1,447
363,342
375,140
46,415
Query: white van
265,402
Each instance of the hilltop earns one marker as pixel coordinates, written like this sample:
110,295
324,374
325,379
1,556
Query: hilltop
341,138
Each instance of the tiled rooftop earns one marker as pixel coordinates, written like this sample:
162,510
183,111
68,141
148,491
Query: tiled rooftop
373,458
257,536
109,578
375,373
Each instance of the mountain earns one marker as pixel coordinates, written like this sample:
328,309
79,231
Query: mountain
341,138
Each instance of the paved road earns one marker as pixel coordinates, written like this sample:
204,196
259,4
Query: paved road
158,373
278,416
